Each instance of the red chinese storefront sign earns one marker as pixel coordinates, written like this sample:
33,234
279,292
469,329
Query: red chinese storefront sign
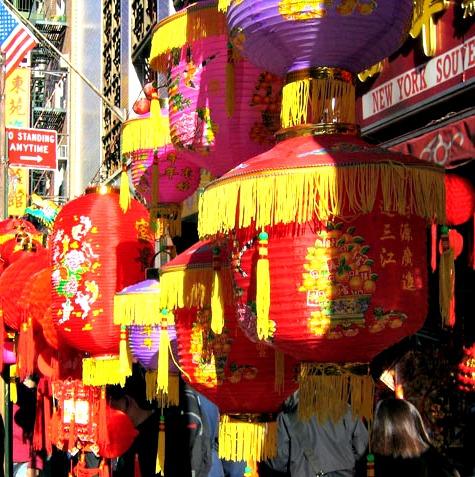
33,148
447,146
410,79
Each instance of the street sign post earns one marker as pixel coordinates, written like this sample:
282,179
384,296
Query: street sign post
33,148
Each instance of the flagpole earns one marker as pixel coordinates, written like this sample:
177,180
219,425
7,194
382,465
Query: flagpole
114,109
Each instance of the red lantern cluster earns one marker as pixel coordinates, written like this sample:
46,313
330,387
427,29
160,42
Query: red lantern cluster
466,371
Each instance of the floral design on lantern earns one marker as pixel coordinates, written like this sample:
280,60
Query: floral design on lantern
301,11
73,256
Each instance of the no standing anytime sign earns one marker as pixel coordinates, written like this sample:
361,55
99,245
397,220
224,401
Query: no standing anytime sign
34,148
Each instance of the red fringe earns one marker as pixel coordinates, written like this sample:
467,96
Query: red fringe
26,349
39,430
102,432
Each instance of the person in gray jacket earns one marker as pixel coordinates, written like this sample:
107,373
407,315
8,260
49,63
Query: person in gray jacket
312,448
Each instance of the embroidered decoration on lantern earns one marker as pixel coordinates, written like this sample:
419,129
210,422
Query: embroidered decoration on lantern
73,256
306,10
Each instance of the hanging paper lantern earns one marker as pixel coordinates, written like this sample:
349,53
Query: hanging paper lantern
222,109
466,370
160,174
96,250
460,199
318,45
344,223
12,283
239,376
142,106
122,434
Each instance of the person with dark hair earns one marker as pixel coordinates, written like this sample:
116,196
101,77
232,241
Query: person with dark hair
312,448
401,445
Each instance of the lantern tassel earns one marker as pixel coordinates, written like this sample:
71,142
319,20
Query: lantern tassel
160,463
12,384
47,421
2,337
26,349
102,431
263,288
125,357
102,370
244,440
447,281
433,251
124,194
217,305
150,384
162,373
39,428
137,472
154,192
370,465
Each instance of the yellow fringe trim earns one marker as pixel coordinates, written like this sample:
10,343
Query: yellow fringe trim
446,284
102,370
188,288
467,5
314,101
241,440
124,195
148,133
191,24
299,195
326,389
137,309
223,5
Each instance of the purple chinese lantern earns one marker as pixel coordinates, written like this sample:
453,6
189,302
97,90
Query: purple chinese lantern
144,343
314,41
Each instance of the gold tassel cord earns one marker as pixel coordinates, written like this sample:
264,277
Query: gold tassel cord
246,440
263,288
186,26
325,389
446,280
164,344
273,197
102,370
217,301
12,384
160,462
125,356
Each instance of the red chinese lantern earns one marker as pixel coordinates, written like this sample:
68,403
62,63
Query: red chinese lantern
162,177
466,370
96,250
222,109
340,269
235,373
460,199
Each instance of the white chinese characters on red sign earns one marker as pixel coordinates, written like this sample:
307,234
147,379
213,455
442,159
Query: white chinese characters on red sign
34,148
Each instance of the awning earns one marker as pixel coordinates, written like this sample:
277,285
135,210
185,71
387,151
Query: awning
450,145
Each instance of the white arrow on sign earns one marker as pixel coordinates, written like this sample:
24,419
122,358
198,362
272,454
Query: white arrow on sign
32,158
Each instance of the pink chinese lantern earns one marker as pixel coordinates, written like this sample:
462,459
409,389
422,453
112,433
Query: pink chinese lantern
222,109
239,375
161,175
96,250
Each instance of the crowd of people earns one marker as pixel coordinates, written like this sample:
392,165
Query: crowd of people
398,443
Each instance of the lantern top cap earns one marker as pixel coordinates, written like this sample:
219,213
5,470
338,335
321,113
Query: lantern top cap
102,189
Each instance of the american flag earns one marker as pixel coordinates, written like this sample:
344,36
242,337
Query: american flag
15,39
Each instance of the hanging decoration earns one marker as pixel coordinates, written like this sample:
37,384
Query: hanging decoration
97,249
160,173
222,109
240,376
466,370
44,210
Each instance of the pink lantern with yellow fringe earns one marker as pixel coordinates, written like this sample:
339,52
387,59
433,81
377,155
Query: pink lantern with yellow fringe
222,108
160,173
